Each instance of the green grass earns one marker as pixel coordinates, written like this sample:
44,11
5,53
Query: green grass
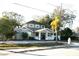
16,46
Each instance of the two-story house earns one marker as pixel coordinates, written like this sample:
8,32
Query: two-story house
33,25
29,27
36,30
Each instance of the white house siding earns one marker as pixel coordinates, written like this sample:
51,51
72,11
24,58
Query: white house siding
18,36
36,37
50,37
47,38
29,33
58,37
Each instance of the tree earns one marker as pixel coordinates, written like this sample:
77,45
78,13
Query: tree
13,16
24,35
67,32
60,19
45,20
66,16
7,26
55,23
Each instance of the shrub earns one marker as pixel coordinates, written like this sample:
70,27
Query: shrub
24,35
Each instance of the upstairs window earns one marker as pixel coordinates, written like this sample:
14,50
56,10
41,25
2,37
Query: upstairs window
37,26
31,25
42,26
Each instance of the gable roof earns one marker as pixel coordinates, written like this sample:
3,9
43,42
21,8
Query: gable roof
44,30
34,22
23,29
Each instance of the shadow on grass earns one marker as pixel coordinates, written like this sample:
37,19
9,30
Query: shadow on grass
4,46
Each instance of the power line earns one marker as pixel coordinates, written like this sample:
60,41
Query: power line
31,7
53,5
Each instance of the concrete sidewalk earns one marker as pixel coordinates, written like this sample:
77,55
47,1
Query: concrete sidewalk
34,49
4,53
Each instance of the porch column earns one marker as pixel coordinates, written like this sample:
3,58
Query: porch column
46,36
39,35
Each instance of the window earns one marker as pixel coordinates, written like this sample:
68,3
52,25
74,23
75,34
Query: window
31,25
49,34
42,26
37,26
54,33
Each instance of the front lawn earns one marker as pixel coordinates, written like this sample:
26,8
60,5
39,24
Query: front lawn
4,46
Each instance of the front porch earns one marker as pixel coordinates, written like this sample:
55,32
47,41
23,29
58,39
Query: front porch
45,34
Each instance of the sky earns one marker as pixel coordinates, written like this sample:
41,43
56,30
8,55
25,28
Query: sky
46,5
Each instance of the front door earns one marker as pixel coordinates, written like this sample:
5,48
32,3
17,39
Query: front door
42,36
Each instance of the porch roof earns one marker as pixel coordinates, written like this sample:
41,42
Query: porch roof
44,30
23,29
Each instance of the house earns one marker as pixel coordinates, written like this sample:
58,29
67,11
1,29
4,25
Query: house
33,25
21,30
36,30
45,34
29,27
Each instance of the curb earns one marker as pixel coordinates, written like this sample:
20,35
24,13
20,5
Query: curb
38,49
